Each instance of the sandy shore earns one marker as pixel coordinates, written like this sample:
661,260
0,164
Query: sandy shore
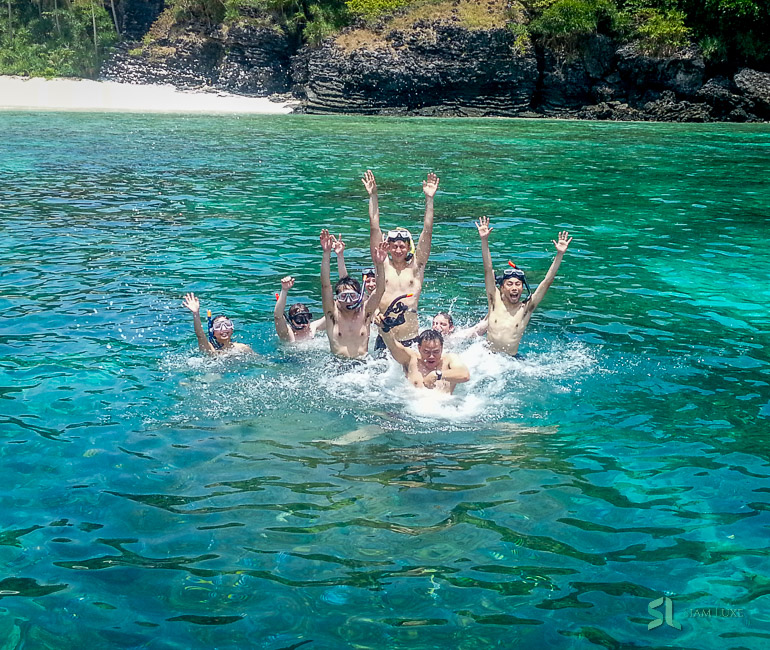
86,95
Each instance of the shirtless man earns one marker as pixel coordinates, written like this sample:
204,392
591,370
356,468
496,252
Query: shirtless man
348,313
508,314
403,272
427,366
299,324
220,334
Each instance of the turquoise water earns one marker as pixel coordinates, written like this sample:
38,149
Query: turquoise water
156,499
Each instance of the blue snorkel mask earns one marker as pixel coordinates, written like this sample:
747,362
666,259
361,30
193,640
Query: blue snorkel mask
517,274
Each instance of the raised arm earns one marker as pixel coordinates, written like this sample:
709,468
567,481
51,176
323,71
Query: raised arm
193,304
375,234
338,246
398,351
489,273
379,257
561,247
455,370
326,283
279,318
422,252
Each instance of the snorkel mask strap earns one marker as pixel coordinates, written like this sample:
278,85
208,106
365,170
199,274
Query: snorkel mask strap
359,301
217,345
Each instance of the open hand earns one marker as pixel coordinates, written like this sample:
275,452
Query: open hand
327,241
430,185
369,183
380,253
287,283
483,226
563,242
338,246
192,303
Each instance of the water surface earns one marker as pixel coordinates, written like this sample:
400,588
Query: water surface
157,499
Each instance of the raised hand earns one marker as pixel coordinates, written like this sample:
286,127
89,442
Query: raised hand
338,246
430,185
563,242
369,183
380,254
287,283
192,303
327,241
483,227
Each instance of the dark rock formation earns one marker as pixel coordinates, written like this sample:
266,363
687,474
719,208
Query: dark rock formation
138,15
434,69
242,59
438,68
755,86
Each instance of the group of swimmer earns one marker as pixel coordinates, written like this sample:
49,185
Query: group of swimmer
388,298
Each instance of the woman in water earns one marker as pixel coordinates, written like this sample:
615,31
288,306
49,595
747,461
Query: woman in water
220,331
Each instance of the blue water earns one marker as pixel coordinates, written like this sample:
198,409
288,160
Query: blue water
154,498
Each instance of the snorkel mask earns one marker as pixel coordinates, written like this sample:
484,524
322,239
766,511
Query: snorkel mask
218,324
300,319
395,314
516,273
350,298
402,234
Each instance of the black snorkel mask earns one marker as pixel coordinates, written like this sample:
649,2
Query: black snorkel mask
395,314
299,320
517,274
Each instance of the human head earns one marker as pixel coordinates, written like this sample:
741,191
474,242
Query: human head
370,280
430,345
299,317
442,322
348,292
221,329
512,282
400,244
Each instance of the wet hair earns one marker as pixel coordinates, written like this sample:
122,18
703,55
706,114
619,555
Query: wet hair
447,316
298,308
214,319
348,282
429,335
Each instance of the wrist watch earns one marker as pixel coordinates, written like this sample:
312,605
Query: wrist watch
439,375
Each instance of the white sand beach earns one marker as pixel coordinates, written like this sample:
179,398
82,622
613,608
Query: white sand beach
18,93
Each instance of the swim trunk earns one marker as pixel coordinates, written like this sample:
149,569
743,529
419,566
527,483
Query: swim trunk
379,344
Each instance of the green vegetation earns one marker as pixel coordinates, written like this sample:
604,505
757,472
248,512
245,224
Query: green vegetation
54,37
71,37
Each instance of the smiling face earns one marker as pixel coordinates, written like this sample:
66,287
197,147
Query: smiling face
398,249
511,289
441,324
223,330
370,284
430,353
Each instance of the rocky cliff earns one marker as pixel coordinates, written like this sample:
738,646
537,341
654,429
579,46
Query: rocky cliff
440,68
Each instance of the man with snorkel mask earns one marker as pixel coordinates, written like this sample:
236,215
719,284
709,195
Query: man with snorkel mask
509,313
405,269
347,310
220,331
299,325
